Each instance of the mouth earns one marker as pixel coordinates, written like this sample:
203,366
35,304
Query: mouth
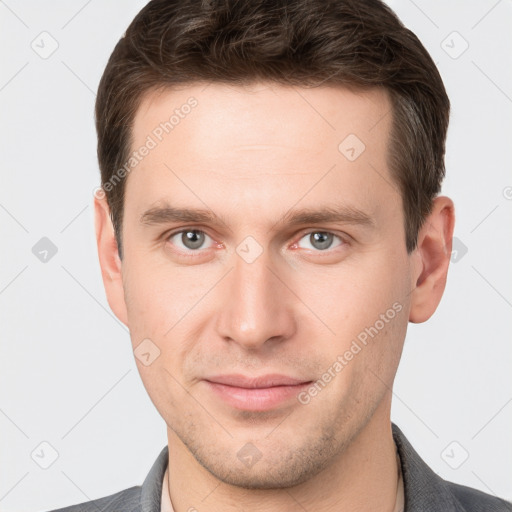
256,393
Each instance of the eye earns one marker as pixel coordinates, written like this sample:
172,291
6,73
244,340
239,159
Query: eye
188,239
320,240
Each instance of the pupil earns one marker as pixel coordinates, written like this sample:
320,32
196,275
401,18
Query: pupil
321,240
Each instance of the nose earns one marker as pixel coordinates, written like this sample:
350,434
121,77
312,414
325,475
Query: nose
255,306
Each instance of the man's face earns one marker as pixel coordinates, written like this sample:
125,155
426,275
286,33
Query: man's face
251,293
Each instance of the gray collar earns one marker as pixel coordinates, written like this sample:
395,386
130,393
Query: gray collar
423,489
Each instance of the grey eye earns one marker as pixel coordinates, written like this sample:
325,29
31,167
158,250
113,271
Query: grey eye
320,240
191,239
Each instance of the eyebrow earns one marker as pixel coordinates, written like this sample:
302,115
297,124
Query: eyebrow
340,213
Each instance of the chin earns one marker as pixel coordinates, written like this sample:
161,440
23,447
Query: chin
281,471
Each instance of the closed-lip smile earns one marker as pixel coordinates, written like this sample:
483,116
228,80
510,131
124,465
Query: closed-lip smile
256,393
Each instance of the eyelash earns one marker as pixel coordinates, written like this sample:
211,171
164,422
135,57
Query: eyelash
190,253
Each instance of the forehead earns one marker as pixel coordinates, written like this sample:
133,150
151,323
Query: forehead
248,143
262,113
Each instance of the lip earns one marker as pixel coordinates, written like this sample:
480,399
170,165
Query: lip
256,393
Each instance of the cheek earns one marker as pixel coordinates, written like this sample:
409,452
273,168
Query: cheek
168,306
352,295
363,308
159,297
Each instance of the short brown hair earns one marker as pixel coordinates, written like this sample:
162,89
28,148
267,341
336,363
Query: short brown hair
355,43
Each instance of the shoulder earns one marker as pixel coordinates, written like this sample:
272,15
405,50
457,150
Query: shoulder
127,500
473,500
133,499
425,490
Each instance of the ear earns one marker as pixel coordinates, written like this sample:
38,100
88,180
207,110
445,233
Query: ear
431,259
110,263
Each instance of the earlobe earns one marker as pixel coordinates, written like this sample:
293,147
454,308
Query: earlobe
431,260
110,263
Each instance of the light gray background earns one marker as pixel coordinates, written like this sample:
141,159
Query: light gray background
68,375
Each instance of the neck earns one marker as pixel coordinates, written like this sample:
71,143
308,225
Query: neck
363,477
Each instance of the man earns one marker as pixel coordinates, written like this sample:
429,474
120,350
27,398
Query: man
269,222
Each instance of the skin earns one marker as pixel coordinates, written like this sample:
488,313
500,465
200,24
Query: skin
251,154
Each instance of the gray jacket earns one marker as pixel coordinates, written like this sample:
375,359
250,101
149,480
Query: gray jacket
424,490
